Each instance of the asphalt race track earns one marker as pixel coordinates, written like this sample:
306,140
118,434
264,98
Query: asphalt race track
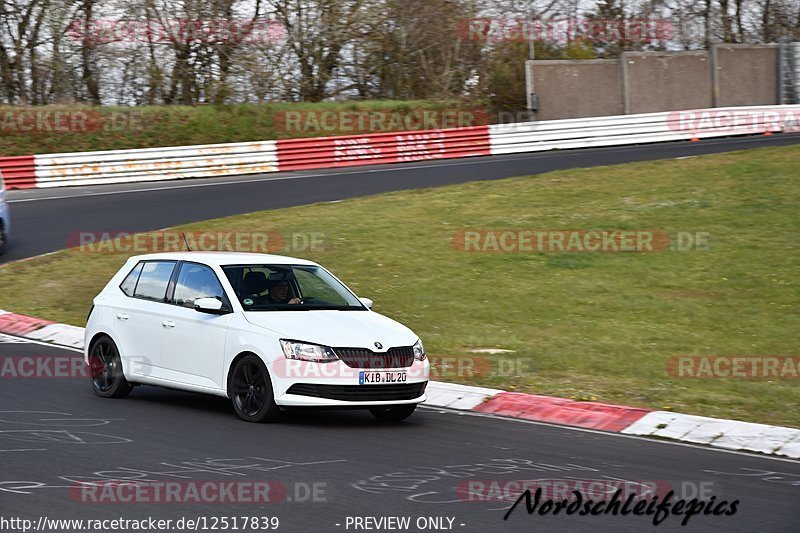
327,469
43,219
324,467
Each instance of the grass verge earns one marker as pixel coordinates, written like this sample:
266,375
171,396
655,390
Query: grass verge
590,326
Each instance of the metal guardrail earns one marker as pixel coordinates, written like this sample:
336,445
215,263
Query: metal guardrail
18,172
382,148
622,130
119,166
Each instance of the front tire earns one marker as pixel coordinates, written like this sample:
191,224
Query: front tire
393,413
105,369
250,390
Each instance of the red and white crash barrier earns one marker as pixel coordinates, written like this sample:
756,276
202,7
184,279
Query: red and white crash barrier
381,148
151,164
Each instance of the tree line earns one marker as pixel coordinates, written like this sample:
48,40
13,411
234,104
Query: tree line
147,52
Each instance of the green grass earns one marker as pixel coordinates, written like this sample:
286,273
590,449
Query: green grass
589,325
111,128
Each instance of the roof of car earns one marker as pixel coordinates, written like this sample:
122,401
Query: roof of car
225,258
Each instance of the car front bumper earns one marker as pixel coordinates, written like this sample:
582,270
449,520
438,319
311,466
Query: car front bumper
293,400
305,384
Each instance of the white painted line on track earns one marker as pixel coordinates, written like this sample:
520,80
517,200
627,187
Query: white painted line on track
8,339
24,340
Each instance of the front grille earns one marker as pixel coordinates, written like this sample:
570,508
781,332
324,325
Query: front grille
399,357
360,393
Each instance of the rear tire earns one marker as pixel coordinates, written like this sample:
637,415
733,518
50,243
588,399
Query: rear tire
105,370
3,239
393,413
250,390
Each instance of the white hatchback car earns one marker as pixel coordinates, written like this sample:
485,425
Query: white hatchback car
268,332
5,218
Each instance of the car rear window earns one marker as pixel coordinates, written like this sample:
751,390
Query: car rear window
129,284
153,280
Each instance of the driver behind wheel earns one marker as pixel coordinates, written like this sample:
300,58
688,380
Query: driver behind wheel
279,293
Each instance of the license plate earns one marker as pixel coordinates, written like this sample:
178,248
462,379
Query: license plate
381,378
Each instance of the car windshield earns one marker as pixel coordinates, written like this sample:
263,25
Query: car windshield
289,288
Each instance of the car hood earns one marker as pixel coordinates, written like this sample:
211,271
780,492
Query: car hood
351,329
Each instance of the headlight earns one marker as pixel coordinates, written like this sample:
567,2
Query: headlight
419,351
307,352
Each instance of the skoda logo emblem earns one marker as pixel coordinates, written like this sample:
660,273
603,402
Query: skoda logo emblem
379,346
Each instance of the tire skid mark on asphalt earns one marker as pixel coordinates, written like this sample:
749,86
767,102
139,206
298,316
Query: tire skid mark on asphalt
237,467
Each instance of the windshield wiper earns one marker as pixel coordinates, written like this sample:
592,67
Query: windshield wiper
275,308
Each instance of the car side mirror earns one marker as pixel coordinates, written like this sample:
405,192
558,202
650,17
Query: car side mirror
367,302
209,305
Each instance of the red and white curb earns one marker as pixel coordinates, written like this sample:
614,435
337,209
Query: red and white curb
41,330
716,432
456,396
719,433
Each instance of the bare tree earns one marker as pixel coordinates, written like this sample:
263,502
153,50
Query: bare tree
53,51
318,33
21,22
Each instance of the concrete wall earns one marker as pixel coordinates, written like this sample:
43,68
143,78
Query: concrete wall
746,75
569,89
645,82
656,81
796,51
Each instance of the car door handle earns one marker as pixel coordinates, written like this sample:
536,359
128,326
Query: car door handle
168,323
122,316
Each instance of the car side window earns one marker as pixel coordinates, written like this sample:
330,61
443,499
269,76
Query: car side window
129,284
196,281
153,280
